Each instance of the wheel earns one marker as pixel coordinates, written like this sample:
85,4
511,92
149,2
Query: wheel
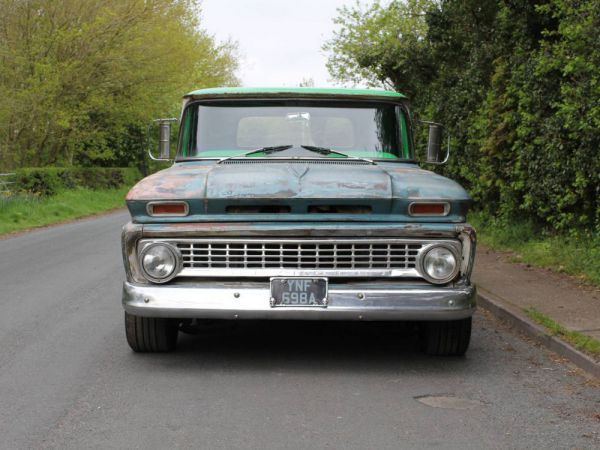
150,334
446,338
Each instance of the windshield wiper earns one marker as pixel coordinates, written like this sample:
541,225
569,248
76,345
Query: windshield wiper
265,150
328,151
280,148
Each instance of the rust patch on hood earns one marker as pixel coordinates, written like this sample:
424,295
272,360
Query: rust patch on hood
415,183
174,183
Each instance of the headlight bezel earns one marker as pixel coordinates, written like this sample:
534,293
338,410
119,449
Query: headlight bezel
453,274
176,253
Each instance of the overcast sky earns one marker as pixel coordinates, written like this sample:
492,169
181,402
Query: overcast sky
279,40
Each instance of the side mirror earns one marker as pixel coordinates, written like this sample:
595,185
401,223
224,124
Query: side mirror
434,144
164,140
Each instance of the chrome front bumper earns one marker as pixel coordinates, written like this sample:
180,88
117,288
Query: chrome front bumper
250,300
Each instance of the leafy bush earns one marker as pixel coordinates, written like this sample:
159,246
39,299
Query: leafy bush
48,181
44,182
516,82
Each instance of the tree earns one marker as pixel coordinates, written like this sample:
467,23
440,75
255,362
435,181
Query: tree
516,82
307,82
78,78
382,46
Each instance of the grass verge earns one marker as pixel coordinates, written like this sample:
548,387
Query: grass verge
21,212
580,341
574,255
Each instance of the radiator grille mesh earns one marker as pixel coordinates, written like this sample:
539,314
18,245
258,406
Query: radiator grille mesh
299,255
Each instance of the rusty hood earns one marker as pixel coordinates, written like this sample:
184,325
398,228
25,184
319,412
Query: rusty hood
296,186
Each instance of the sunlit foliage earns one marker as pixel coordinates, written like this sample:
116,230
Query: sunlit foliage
81,79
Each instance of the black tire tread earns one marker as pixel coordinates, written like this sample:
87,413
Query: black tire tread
150,334
446,338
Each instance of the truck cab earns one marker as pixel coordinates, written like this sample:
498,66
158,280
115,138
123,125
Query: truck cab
297,204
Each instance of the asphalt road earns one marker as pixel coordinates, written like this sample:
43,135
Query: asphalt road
69,380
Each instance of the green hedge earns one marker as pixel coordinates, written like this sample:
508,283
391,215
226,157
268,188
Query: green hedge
516,82
48,181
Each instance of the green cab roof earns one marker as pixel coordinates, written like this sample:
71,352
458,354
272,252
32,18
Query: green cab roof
294,91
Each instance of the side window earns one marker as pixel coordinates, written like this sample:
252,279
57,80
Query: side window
404,134
186,144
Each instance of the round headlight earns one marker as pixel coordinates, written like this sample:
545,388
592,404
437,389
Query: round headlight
159,261
440,264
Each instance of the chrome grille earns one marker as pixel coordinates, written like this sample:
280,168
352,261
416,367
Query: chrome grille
297,257
301,255
309,254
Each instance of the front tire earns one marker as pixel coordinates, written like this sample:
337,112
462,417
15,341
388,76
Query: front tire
446,338
150,334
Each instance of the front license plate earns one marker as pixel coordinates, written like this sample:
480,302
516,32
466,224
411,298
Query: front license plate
299,292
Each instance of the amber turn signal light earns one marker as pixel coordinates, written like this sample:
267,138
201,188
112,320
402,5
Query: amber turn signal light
429,209
168,209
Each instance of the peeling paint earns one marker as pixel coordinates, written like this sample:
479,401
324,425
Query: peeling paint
210,188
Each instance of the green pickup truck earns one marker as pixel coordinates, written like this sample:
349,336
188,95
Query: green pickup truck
297,204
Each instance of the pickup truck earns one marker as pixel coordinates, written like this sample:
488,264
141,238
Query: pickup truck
297,204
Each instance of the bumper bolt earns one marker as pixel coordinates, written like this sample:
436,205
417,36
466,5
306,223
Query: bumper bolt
450,302
146,300
236,294
361,296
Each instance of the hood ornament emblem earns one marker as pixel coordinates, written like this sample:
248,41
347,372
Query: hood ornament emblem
298,170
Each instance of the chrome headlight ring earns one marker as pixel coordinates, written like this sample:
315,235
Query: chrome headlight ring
422,261
174,252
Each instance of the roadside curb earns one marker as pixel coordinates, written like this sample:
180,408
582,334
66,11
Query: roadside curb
515,317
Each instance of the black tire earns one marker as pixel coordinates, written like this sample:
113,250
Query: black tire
446,338
149,334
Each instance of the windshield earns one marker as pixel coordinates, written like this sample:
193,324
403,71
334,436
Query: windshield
359,129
